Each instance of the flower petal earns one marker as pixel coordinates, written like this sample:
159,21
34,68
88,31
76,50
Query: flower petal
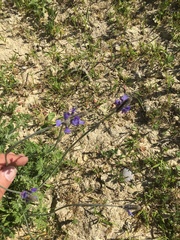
120,101
67,130
126,109
124,97
117,102
81,122
58,123
75,121
24,194
66,115
73,110
33,190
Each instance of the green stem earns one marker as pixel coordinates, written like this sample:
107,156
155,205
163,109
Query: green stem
10,190
80,205
27,225
58,140
135,207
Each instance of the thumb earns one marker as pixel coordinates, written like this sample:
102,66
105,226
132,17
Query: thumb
7,175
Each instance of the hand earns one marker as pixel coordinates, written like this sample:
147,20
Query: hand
8,173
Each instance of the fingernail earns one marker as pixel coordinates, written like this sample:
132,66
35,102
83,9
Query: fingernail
10,173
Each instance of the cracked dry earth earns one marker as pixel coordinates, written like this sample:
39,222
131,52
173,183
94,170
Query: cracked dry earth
94,178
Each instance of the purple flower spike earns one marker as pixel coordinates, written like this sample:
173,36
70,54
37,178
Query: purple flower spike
58,123
70,118
28,195
120,101
24,194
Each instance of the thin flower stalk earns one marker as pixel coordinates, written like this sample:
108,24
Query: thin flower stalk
9,190
137,207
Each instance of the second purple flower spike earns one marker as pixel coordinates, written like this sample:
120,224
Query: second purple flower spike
28,195
119,102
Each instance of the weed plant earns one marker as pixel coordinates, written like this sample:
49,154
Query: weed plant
24,204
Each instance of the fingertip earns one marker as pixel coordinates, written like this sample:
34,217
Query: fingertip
20,160
13,159
7,175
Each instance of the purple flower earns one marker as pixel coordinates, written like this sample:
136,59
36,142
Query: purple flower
126,109
28,195
70,118
76,121
120,101
33,190
67,130
58,123
24,194
66,115
124,97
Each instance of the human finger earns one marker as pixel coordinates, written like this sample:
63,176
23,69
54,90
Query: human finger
13,159
7,175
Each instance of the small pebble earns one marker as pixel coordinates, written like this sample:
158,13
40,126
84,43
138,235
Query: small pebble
128,175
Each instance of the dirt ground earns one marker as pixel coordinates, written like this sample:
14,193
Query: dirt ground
94,178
